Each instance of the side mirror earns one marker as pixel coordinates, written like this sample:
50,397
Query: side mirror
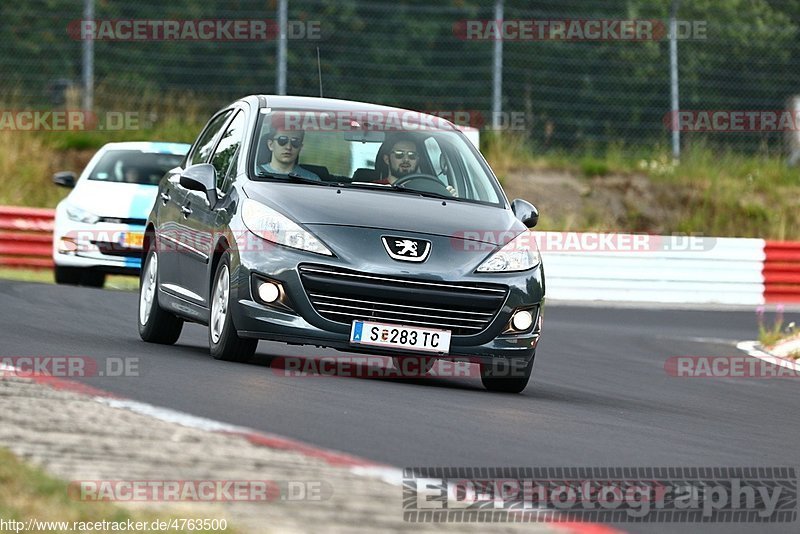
201,177
525,212
65,178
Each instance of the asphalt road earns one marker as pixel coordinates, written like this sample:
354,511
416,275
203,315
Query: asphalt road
600,395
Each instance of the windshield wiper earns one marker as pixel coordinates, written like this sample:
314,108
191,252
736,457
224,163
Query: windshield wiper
402,189
359,185
405,189
293,177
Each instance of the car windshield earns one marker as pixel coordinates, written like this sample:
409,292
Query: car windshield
134,167
407,152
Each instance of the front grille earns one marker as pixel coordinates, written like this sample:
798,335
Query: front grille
116,249
342,296
124,220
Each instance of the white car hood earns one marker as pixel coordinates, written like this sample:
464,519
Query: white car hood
109,199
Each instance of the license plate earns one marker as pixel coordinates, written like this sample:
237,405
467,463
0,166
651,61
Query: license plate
400,337
133,239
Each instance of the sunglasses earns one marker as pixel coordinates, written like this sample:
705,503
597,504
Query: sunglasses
283,139
412,155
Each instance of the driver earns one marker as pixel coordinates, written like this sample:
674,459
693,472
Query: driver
402,160
131,175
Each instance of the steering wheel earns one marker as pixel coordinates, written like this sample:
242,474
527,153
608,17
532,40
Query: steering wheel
422,177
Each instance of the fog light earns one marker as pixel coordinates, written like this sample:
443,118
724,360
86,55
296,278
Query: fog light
268,291
66,245
522,320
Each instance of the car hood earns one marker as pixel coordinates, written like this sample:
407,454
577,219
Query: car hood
114,199
399,212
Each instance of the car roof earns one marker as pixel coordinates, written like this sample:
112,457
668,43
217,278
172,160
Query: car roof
310,103
159,147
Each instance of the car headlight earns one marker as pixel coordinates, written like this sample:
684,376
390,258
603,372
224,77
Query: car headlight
268,224
519,254
77,214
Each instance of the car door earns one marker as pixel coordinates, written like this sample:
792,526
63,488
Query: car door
177,238
205,221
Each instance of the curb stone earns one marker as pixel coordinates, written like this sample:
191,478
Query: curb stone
79,433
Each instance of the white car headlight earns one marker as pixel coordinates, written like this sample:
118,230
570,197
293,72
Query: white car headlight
268,224
519,254
77,214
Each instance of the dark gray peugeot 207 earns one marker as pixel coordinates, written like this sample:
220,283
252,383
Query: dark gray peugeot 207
347,225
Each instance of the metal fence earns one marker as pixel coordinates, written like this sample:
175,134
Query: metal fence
570,90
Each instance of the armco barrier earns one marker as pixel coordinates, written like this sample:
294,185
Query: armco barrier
782,271
26,237
725,270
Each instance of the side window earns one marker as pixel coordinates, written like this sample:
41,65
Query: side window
476,183
441,169
205,143
230,176
434,152
227,147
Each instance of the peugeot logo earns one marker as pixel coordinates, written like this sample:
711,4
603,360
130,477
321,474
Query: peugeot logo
406,249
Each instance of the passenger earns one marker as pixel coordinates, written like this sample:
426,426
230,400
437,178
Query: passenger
285,149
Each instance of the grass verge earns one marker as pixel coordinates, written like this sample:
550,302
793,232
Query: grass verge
45,276
709,192
772,334
27,493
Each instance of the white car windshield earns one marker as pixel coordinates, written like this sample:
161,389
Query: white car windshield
134,167
407,153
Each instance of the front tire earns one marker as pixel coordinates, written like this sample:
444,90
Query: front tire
68,275
93,279
156,325
78,276
223,341
507,377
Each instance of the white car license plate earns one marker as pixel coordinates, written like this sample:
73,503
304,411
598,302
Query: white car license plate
132,239
400,337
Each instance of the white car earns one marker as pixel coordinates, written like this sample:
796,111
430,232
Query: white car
99,226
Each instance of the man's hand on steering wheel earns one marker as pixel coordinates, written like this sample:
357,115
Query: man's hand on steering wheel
422,176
